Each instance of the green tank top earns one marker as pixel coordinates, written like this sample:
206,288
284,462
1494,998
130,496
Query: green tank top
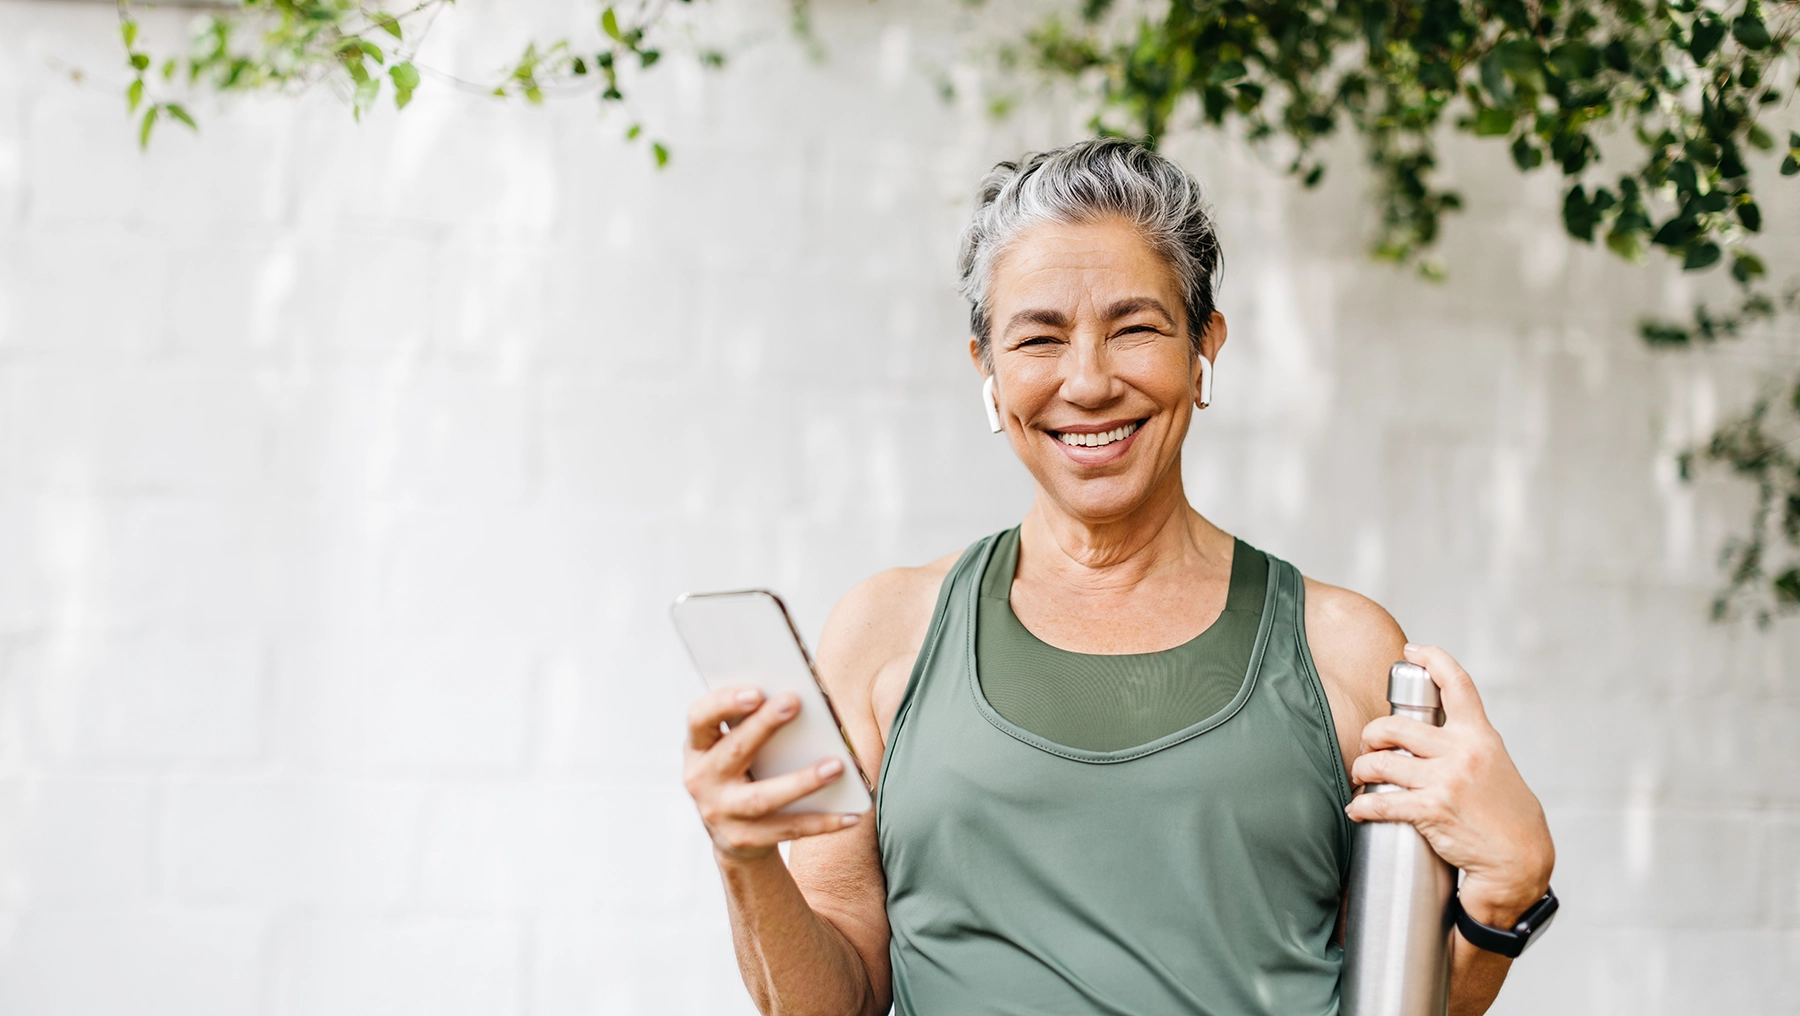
1199,872
1105,703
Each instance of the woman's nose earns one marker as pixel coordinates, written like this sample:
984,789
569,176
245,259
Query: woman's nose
1089,381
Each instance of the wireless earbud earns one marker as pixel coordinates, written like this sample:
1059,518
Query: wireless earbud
992,405
1205,382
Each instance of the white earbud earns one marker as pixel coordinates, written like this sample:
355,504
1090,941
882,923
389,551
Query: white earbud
992,405
1205,382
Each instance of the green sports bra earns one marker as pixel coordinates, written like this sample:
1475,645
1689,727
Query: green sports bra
1108,702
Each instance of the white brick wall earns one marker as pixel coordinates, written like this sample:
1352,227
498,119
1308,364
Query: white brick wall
346,471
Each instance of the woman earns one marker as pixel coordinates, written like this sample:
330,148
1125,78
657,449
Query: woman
1110,746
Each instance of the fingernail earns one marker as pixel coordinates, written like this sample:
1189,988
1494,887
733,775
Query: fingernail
1411,648
787,706
849,820
830,767
749,697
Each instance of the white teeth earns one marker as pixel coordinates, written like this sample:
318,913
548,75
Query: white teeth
1098,440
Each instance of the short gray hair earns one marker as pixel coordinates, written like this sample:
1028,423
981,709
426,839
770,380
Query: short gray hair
1084,182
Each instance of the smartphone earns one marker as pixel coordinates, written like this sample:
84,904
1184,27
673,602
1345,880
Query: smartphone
748,638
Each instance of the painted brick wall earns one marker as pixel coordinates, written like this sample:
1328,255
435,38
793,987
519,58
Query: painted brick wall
346,471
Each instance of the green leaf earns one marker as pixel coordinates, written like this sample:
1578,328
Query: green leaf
1787,586
1708,33
1617,56
1702,256
1750,30
1731,166
168,69
178,112
1790,166
1625,244
1230,70
371,50
660,153
128,29
148,125
1493,78
406,78
1575,60
648,57
390,25
1746,266
1677,232
1580,215
134,94
609,23
632,132
1750,216
140,61
1526,155
1492,122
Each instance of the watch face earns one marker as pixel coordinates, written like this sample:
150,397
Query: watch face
1539,925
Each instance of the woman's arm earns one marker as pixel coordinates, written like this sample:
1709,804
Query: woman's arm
793,959
811,935
1463,792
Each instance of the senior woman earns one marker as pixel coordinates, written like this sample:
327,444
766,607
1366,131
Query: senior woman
1114,747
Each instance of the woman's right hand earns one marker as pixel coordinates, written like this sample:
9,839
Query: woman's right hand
743,815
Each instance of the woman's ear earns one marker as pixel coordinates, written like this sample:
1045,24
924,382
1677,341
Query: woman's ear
975,355
1212,338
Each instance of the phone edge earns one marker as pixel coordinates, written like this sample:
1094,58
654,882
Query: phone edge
812,670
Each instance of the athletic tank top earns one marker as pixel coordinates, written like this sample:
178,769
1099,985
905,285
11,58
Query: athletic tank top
1199,872
1106,703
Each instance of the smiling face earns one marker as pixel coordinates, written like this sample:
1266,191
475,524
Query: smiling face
1093,368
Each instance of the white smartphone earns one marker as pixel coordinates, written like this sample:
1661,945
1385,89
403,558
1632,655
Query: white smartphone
747,637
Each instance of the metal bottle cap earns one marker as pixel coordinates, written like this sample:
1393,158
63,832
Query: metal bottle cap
1410,687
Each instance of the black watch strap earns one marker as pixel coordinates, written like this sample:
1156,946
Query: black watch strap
1506,942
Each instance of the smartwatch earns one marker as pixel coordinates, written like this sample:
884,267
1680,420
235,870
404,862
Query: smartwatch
1506,941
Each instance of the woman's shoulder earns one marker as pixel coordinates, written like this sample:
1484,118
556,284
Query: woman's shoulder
885,613
871,638
1353,641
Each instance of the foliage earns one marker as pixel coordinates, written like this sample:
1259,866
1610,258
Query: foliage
1687,83
1684,84
1762,447
361,49
1680,85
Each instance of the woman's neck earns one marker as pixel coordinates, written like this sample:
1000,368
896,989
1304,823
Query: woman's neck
1161,535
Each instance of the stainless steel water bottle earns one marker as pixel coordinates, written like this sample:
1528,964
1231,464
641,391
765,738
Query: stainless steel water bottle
1397,931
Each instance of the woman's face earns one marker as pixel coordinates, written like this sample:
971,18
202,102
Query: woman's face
1093,370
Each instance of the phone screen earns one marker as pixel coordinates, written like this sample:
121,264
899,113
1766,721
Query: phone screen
747,638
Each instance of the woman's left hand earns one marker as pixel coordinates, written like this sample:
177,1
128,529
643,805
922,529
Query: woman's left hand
1463,793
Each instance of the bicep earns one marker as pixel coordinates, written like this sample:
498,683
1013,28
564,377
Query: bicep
1354,642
